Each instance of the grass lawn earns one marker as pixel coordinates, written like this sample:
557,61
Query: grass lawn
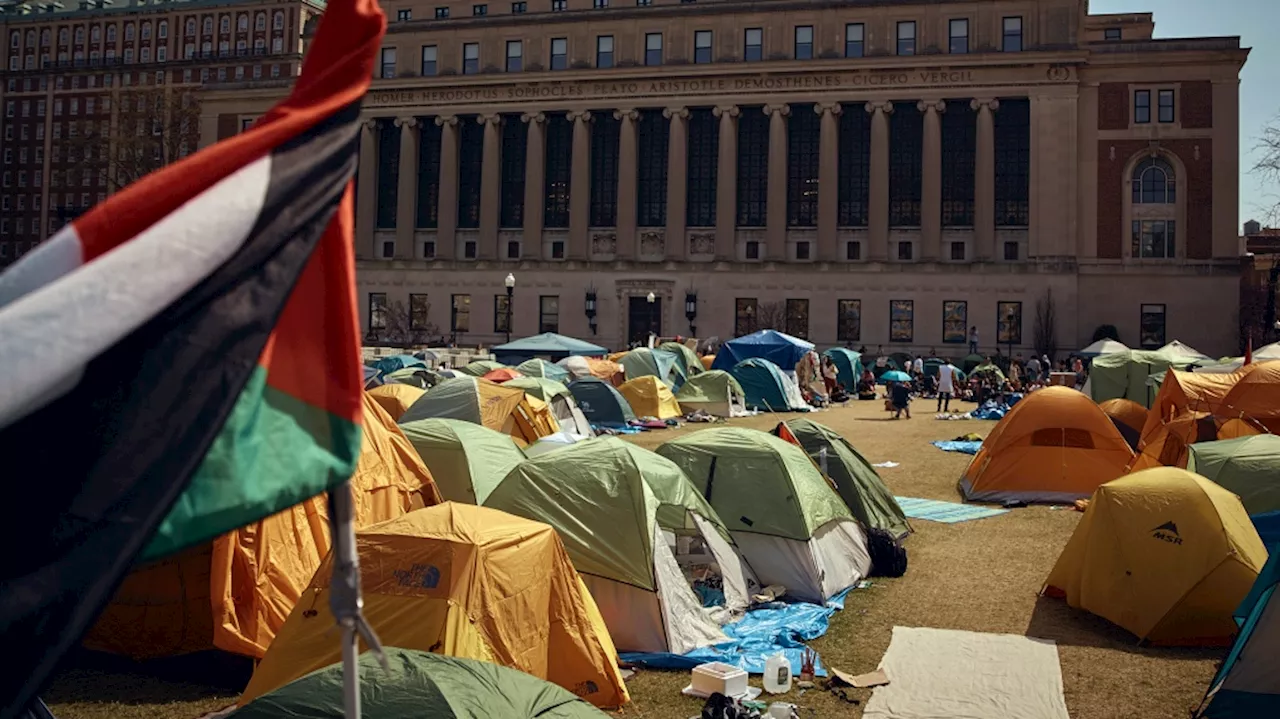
981,575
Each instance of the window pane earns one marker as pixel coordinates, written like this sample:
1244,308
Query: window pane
901,320
754,45
1142,106
1012,34
906,38
959,37
853,40
802,167
1166,105
849,322
804,42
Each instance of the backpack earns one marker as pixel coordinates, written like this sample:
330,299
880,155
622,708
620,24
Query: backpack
888,557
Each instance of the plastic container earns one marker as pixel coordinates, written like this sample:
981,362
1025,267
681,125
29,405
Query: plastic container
719,677
777,674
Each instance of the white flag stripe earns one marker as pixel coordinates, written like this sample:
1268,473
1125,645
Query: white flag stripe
50,260
48,335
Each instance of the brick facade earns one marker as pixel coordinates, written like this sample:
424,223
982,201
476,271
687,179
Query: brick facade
1113,106
1197,105
1196,156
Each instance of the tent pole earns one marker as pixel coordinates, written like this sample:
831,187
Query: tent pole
344,597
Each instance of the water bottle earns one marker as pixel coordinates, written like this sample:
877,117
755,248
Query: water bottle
777,674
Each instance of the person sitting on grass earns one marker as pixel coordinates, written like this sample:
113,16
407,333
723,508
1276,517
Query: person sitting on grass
900,394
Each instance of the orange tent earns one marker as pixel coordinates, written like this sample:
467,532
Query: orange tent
1167,445
235,592
395,398
707,361
1128,416
1055,445
607,370
502,374
1187,392
1256,395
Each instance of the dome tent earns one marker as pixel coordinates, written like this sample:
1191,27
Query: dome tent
790,524
468,459
644,362
1247,467
1128,416
558,397
619,509
601,403
542,368
501,408
849,366
650,397
689,362
768,388
395,398
1248,682
715,392
441,579
480,368
777,347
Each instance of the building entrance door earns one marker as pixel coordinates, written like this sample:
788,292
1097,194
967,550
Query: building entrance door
643,317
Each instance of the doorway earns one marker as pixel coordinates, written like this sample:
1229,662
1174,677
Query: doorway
643,317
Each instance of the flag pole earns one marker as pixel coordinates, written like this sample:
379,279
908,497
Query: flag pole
344,599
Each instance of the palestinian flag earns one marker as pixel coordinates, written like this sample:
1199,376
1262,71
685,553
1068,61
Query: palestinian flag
184,359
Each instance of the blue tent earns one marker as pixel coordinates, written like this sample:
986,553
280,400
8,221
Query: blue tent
372,377
780,349
547,345
387,365
850,365
1248,684
763,384
600,403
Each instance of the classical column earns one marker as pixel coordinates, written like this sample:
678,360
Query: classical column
984,179
366,188
727,184
931,180
447,204
878,193
490,186
535,157
828,180
627,169
776,209
677,180
407,187
580,185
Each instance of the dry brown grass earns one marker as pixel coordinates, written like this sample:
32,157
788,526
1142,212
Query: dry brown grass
981,575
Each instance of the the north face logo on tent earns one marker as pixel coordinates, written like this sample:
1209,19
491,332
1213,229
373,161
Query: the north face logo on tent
1167,532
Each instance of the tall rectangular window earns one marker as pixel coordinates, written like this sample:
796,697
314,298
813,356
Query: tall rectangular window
651,179
501,313
804,42
797,323
907,37
549,313
901,320
460,313
753,44
470,161
753,167
1154,239
1165,106
604,170
854,165
1012,35
559,151
959,143
1013,162
515,55
429,66
1151,325
377,311
958,43
849,321
470,58
744,315
1009,323
514,141
906,127
702,46
559,53
419,312
855,39
388,174
704,147
802,167
653,48
1142,106
604,51
388,63
428,173
955,321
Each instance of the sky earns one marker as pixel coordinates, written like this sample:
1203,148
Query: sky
1253,21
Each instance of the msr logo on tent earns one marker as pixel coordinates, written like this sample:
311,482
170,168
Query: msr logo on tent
1167,532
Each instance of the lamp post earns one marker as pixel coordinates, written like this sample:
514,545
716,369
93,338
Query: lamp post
691,310
652,323
510,283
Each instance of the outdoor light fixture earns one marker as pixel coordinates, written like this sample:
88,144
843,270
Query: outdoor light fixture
589,305
653,318
650,298
691,310
510,284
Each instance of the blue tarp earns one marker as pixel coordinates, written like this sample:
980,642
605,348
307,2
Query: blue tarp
387,365
990,410
773,628
777,347
952,446
546,345
763,385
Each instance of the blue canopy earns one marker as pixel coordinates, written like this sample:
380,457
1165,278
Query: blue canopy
547,345
777,347
763,384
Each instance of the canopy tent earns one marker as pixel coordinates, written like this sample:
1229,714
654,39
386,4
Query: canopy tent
548,345
395,398
1248,467
1165,554
766,387
620,509
1103,346
1247,684
690,363
781,349
1128,416
472,399
644,362
1053,446
391,363
1181,351
580,367
1124,374
715,392
848,367
502,374
441,580
856,480
544,369
480,368
235,592
558,397
423,684
791,525
650,397
601,403
467,459
1168,445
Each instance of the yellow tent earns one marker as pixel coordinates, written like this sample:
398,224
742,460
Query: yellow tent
395,398
1165,554
464,581
235,592
503,409
650,397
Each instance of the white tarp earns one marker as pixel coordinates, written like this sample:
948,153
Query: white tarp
835,557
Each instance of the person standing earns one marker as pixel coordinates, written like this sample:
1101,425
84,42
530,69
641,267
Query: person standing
900,394
946,386
973,340
918,366
1033,369
829,373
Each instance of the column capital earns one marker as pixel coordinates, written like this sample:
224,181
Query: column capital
932,106
494,119
884,106
681,112
575,115
628,113
720,110
782,109
537,117
989,103
409,122
450,120
822,108
371,123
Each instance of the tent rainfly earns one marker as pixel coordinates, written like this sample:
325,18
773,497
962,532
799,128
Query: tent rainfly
777,347
467,459
548,346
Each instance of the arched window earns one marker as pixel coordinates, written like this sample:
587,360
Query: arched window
31,38
79,35
128,31
15,37
191,26
208,26
225,23
278,20
44,36
96,33
242,22
146,31
162,30
62,36
1153,183
260,21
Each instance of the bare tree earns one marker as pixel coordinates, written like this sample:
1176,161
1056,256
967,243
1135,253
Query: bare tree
771,316
394,326
151,126
1046,328
1268,168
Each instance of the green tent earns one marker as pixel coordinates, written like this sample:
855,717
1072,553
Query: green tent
1124,374
689,361
849,364
543,368
856,480
480,368
1248,466
466,459
987,368
540,387
422,684
715,392
415,377
970,361
644,362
